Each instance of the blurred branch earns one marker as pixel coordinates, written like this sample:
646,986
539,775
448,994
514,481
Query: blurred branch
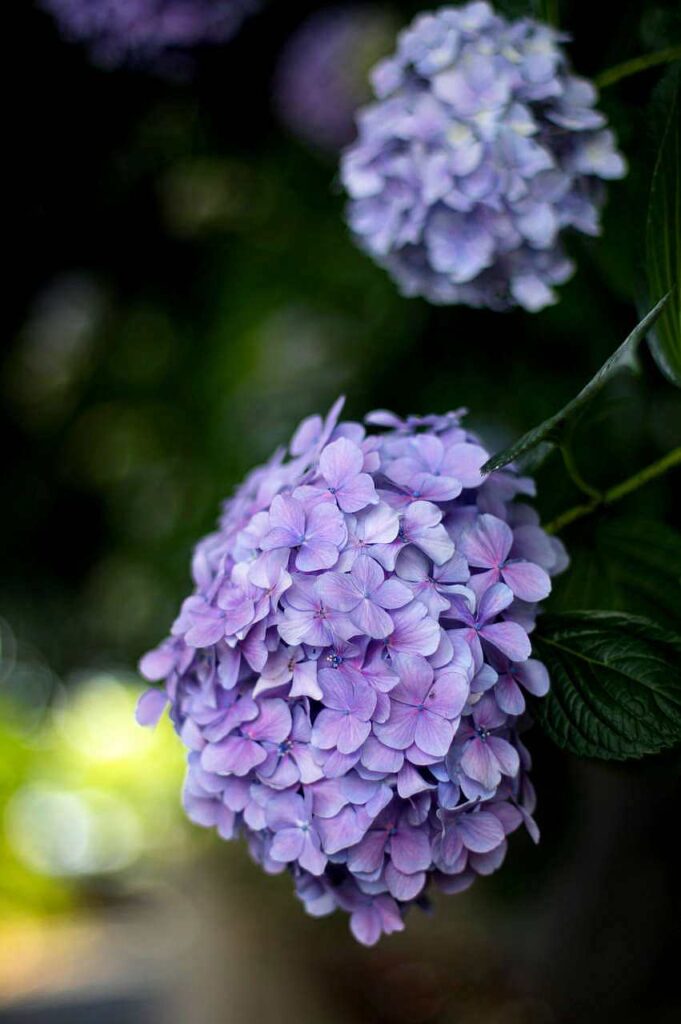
619,491
632,67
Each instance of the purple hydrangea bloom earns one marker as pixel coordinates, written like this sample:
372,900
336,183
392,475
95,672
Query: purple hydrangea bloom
142,32
321,77
482,148
348,675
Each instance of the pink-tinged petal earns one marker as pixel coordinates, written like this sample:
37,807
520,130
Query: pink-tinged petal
306,436
410,850
527,581
482,581
325,523
480,831
150,707
295,627
158,664
436,543
534,677
413,565
464,461
508,696
449,693
342,831
229,662
308,770
326,729
340,462
207,627
367,575
433,735
328,798
338,590
416,678
398,732
372,620
336,764
377,757
352,733
311,857
365,925
304,683
421,516
494,601
486,544
410,782
287,845
284,810
367,856
455,570
315,555
273,723
392,594
487,863
506,755
379,525
480,764
415,632
508,637
337,689
233,755
357,494
401,886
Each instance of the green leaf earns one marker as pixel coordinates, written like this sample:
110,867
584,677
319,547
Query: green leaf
629,565
615,684
663,241
552,429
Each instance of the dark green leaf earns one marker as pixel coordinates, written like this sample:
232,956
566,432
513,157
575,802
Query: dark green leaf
663,241
615,684
629,565
552,430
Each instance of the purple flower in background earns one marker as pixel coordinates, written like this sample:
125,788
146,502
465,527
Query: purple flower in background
482,148
321,77
348,673
147,32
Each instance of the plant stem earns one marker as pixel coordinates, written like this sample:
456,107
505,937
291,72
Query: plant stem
574,474
616,493
632,67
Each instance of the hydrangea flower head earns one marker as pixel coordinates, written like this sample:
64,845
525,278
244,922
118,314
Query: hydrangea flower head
349,674
321,77
481,149
143,31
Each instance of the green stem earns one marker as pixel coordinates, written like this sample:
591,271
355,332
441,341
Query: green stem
632,67
617,492
574,474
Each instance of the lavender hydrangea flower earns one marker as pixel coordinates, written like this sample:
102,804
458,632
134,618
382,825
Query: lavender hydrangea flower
482,148
348,674
321,76
143,32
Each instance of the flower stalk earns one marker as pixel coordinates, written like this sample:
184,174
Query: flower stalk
616,493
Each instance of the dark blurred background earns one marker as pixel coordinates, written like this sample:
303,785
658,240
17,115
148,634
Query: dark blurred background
183,291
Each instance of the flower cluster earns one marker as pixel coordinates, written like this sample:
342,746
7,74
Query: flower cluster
321,76
349,673
482,148
140,31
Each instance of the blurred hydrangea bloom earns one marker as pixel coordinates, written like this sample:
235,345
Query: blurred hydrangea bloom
349,674
142,31
482,148
321,78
